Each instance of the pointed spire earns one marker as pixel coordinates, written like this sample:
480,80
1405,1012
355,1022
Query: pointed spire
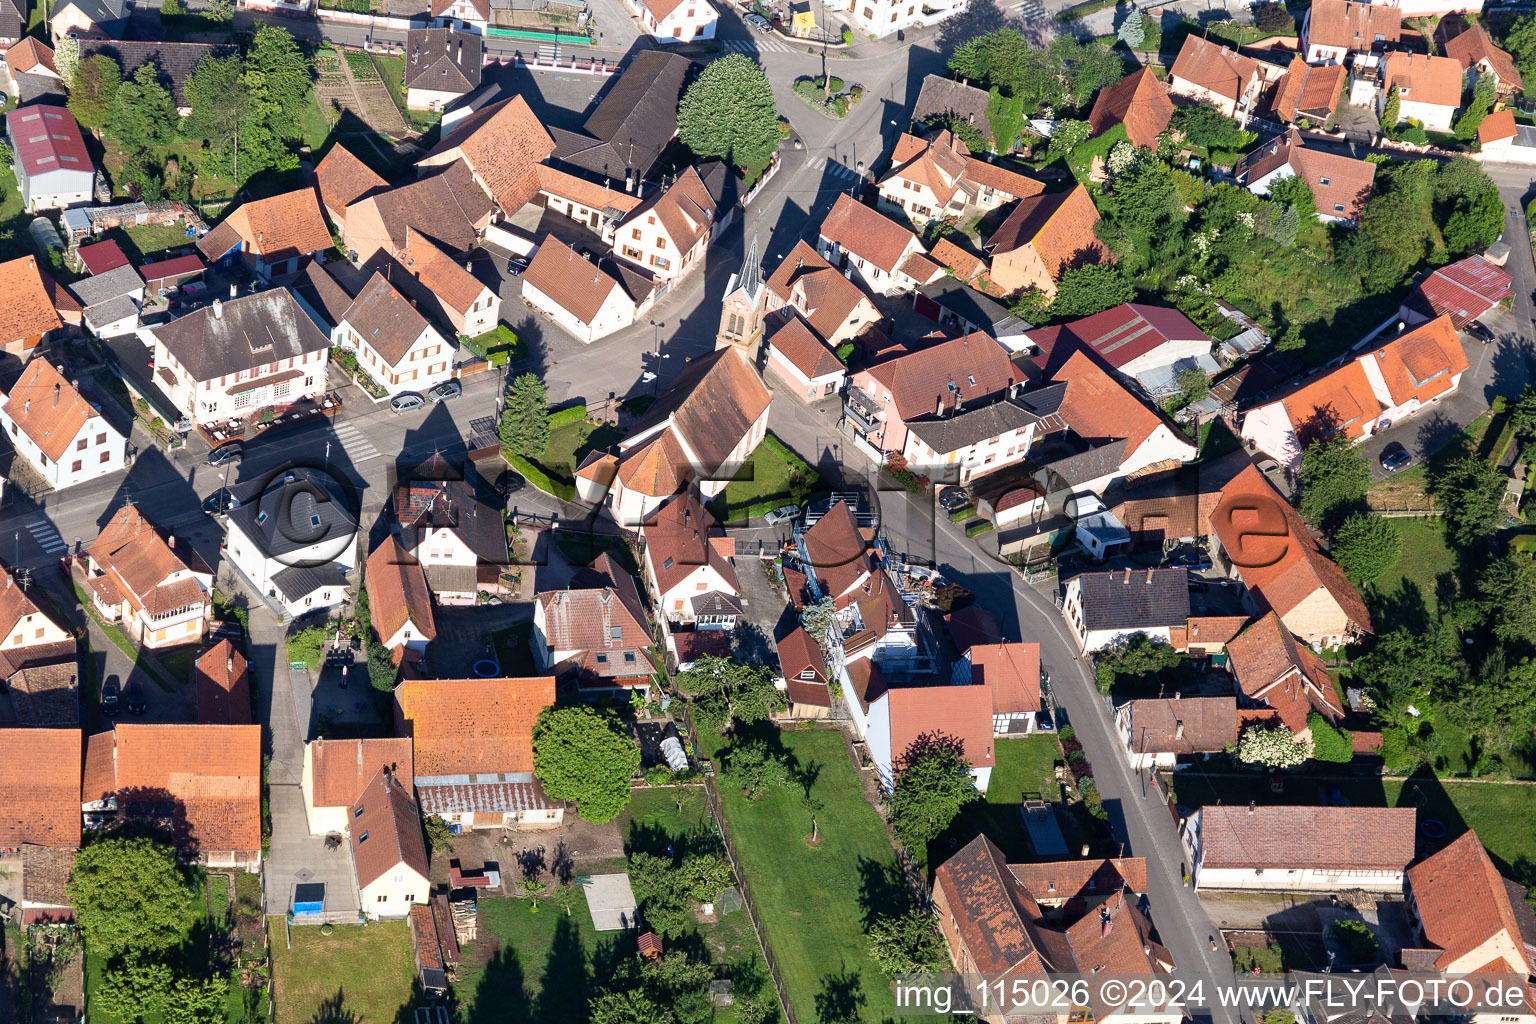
751,270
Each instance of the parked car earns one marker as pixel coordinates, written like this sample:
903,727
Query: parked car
219,502
758,22
513,483
406,401
444,391
953,499
782,514
516,266
110,694
1480,332
137,705
1395,457
229,451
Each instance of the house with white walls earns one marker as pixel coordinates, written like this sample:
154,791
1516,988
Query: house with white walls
294,539
336,771
676,21
395,345
65,438
1103,608
1300,849
899,716
156,585
389,848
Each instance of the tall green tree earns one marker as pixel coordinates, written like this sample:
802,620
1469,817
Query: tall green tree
1405,668
525,417
143,120
728,112
999,59
1133,30
1084,291
661,891
131,894
1334,477
906,943
215,92
277,78
1365,546
1482,102
135,988
1500,708
724,690
93,90
382,672
1469,490
1390,111
586,755
1507,588
933,784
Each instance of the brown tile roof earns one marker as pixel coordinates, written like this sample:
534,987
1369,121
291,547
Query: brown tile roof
277,228
445,207
1214,67
1340,399
1421,363
223,686
1060,228
343,179
438,275
385,319
867,233
587,193
919,382
209,774
712,405
1210,630
385,828
1140,102
681,536
804,669
1462,902
798,344
1305,90
1085,879
936,163
837,552
657,466
685,208
1307,837
503,143
1001,179
941,96
47,408
1498,125
1011,671
1098,407
1116,940
444,60
963,712
1272,668
473,725
575,284
920,268
339,769
1348,181
482,8
26,307
1297,570
1169,516
1352,25
1191,725
39,787
993,913
967,267
139,562
1473,47
27,54
1422,78
586,619
810,284
868,682
46,873
397,591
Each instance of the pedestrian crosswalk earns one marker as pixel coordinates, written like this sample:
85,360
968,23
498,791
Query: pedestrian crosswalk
357,447
46,536
833,168
1030,10
756,45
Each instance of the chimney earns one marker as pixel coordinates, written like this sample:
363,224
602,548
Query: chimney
232,290
459,56
218,309
229,664
1085,849
1178,729
55,396
1127,580
27,407
1106,923
1250,806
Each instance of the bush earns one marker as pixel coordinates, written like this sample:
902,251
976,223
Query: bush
978,528
962,515
574,414
660,775
540,479
1358,942
1329,742
847,36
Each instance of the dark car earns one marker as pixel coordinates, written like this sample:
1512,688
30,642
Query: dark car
953,499
1395,457
136,702
516,267
219,502
1480,332
110,693
513,483
229,452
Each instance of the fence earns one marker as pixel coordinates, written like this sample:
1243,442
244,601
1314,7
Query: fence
773,168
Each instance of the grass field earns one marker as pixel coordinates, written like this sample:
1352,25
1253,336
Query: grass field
571,442
762,483
356,974
1500,814
1405,595
815,903
1024,765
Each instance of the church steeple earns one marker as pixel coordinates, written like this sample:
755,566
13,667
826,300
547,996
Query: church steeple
744,306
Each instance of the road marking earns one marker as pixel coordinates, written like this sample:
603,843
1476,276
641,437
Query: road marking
1030,10
753,46
46,536
833,168
358,447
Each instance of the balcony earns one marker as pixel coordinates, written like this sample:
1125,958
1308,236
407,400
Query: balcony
863,411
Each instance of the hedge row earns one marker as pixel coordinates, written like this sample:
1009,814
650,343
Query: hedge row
574,414
535,475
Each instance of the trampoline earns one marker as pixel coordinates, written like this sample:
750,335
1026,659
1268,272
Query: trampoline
486,668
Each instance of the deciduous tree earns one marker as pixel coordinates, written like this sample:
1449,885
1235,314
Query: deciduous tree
906,943
131,894
1270,747
661,892
582,754
1329,742
1365,546
724,690
1508,597
1083,291
728,112
1469,489
277,78
755,766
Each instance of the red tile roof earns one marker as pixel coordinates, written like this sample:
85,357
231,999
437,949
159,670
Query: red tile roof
343,179
1140,102
1474,46
682,536
1058,225
1011,671
804,669
1214,67
397,591
1307,90
47,139
837,552
26,54
1274,669
809,283
963,712
993,913
503,143
1352,25
211,775
137,565
1422,363
596,618
40,787
27,308
1340,399
1066,879
865,232
919,382
803,350
339,769
1462,903
385,829
713,405
1496,126
1098,407
223,686
572,282
1422,78
277,228
47,408
1336,180
477,726
1350,838
1283,565
1189,725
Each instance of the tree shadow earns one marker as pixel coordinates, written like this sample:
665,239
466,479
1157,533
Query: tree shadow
883,890
1402,608
501,995
841,999
334,1010
567,983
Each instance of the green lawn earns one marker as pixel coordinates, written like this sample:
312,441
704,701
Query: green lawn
499,346
762,483
569,443
1080,161
314,125
1024,765
15,242
392,70
815,902
138,242
356,974
1405,595
1500,814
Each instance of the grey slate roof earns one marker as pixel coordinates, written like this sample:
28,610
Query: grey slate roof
111,16
322,293
980,312
119,307
34,88
99,288
973,426
279,517
444,60
1132,599
638,117
301,581
1084,466
176,61
1043,401
241,334
13,19
941,96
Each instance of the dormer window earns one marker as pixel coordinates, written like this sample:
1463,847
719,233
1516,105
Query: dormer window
1322,181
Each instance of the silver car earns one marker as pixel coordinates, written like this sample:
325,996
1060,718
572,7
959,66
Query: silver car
406,401
782,514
